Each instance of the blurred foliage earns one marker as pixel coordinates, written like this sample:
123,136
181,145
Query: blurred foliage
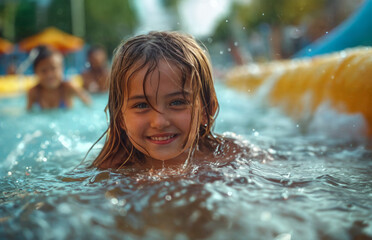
59,15
7,15
25,20
171,4
275,12
107,23
250,14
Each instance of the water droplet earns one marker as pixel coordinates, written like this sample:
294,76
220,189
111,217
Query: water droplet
221,52
263,14
64,208
168,197
227,20
309,50
297,126
271,151
265,216
284,236
285,195
114,201
256,134
210,40
9,173
326,32
229,49
121,202
235,44
243,28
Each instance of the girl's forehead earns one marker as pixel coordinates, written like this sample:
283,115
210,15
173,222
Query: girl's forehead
54,59
165,77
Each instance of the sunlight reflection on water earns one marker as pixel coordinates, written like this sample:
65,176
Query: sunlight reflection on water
315,188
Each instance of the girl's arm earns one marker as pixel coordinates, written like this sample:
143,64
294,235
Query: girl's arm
31,98
82,94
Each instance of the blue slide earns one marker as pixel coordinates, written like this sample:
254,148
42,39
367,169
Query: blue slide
353,32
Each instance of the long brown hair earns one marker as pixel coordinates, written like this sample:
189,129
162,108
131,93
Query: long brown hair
146,51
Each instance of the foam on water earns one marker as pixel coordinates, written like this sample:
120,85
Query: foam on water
312,185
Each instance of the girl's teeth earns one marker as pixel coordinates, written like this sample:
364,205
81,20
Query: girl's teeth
161,138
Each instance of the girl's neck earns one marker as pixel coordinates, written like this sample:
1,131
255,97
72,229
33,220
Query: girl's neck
166,164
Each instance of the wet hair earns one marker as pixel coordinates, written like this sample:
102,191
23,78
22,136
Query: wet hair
145,52
42,52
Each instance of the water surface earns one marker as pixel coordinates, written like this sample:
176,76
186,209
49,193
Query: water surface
318,185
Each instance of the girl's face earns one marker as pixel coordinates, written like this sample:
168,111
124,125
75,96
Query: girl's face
161,133
50,71
98,59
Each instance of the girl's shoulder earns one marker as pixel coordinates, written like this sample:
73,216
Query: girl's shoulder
69,87
230,146
35,89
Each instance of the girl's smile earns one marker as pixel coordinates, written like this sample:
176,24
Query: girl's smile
158,113
162,138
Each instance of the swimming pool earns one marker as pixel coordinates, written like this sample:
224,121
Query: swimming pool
319,185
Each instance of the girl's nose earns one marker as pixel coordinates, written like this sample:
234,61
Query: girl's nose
159,120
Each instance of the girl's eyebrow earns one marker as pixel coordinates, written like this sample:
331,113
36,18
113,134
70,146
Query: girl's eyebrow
141,97
184,93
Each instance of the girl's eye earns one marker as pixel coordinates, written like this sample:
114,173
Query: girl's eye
141,105
179,102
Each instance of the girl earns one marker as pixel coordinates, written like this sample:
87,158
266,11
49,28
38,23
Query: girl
52,91
95,77
162,105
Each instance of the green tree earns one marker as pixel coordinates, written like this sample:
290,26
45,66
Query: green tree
273,12
59,15
25,20
108,22
7,19
277,12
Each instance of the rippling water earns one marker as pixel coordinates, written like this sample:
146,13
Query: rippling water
318,185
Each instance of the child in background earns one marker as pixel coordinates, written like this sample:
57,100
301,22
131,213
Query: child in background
95,77
162,106
51,91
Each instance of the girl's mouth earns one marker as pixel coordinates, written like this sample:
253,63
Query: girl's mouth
162,139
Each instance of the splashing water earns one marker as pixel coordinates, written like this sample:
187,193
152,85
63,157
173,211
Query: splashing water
316,187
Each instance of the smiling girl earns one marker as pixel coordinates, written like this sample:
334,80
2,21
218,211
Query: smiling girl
52,91
162,106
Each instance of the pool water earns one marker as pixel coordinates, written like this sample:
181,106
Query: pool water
318,185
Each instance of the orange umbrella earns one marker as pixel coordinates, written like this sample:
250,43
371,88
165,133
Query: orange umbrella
54,38
5,46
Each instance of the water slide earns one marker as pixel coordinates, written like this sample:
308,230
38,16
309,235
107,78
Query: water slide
335,71
355,31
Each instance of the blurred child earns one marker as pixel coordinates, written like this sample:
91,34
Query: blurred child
162,106
95,77
51,91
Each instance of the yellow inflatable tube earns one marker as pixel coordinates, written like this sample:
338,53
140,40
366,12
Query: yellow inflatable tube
18,84
342,79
